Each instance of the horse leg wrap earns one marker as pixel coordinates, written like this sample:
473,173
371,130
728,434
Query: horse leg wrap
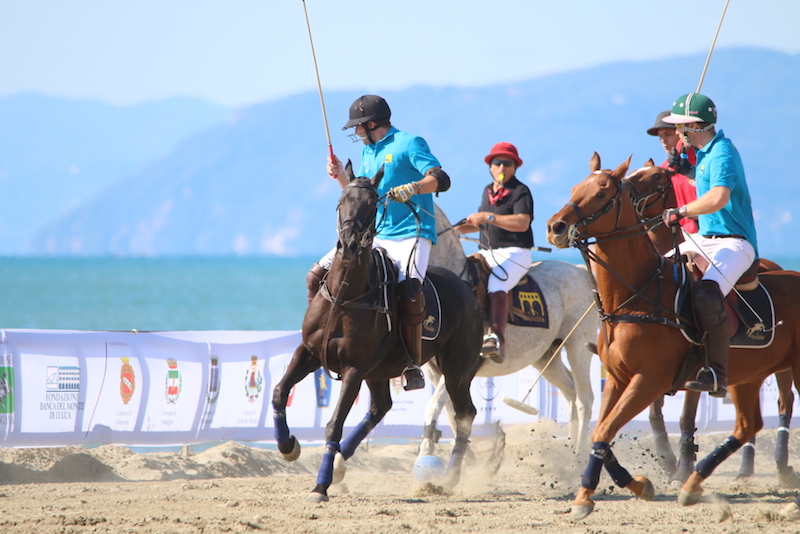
325,476
459,450
619,474
782,442
748,458
432,433
688,451
351,443
281,428
591,477
706,466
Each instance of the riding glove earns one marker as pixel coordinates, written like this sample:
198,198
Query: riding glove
402,193
672,216
680,162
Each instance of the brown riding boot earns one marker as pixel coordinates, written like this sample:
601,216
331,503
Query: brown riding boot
712,319
412,313
314,280
495,341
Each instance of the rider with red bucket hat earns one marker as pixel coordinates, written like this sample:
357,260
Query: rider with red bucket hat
504,221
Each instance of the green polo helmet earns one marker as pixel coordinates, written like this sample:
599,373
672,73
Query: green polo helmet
692,107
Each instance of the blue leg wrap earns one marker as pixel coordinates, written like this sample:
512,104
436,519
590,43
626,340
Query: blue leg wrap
619,474
706,466
782,442
281,429
350,444
591,477
325,476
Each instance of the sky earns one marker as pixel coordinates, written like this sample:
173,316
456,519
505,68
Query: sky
240,52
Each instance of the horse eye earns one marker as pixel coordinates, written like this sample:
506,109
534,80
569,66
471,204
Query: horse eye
600,196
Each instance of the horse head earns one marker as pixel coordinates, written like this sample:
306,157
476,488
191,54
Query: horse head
651,190
591,201
357,209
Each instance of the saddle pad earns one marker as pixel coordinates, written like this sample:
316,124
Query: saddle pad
527,306
432,324
753,331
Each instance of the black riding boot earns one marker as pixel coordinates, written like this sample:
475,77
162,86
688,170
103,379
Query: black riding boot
712,319
412,313
314,280
495,341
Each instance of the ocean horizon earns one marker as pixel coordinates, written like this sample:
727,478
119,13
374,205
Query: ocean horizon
168,293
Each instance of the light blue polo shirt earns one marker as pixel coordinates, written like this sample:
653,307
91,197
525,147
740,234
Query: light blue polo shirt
405,159
719,163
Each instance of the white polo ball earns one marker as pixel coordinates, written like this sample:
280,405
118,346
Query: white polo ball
428,469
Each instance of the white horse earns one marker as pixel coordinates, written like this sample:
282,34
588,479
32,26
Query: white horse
568,292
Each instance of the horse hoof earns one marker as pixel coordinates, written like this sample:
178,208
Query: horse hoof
791,511
579,511
689,498
787,478
294,454
316,497
339,468
648,491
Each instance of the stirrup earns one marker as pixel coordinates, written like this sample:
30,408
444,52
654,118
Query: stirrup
712,389
491,345
414,378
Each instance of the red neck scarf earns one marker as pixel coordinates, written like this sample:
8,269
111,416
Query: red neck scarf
496,197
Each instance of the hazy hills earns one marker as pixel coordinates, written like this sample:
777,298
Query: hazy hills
253,182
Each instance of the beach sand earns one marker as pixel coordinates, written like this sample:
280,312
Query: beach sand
522,479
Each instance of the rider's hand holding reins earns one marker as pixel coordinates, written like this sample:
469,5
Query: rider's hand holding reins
402,193
673,216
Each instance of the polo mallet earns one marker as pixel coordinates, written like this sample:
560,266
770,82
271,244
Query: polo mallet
319,86
713,43
527,408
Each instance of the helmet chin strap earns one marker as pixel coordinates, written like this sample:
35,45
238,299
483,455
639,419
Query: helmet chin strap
699,130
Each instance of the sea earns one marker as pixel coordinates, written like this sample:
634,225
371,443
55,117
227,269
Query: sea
165,293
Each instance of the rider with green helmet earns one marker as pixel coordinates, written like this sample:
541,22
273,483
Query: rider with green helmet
727,236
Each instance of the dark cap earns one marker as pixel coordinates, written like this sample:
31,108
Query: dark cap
660,123
367,108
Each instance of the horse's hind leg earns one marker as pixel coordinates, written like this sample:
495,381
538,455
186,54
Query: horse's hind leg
786,475
580,362
433,409
301,365
748,422
663,449
465,412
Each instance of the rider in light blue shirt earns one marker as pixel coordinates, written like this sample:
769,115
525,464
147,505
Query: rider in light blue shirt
727,236
410,170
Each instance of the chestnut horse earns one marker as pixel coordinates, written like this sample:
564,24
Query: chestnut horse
346,330
652,192
639,346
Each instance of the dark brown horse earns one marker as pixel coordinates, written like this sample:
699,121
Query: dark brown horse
652,192
345,331
638,344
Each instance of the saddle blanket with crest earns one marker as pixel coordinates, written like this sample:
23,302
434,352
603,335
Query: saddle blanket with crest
526,304
752,322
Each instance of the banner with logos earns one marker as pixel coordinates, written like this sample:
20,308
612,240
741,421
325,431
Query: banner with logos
62,388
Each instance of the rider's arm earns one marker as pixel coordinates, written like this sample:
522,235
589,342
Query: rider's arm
714,200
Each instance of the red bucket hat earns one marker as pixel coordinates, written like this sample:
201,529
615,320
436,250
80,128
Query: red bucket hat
503,149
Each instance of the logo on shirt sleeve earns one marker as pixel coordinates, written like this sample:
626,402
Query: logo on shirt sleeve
387,158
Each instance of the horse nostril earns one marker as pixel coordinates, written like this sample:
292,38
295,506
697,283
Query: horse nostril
560,228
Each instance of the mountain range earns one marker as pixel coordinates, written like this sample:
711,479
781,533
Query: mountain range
184,177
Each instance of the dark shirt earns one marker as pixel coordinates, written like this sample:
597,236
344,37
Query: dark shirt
518,200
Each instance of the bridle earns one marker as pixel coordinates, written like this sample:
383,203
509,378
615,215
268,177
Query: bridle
364,229
641,201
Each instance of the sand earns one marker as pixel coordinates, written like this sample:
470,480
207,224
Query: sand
522,479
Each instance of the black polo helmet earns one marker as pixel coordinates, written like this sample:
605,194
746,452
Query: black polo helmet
367,108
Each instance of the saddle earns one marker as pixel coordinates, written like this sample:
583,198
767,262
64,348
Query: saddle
526,302
384,278
750,313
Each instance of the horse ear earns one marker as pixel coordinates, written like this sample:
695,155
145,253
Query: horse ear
377,178
620,171
649,163
348,171
594,163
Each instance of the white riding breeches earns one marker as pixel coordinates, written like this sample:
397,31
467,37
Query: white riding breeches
729,258
406,256
509,265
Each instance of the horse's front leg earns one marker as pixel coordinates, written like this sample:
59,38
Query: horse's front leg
619,406
351,384
465,412
663,449
433,409
688,449
748,422
301,365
